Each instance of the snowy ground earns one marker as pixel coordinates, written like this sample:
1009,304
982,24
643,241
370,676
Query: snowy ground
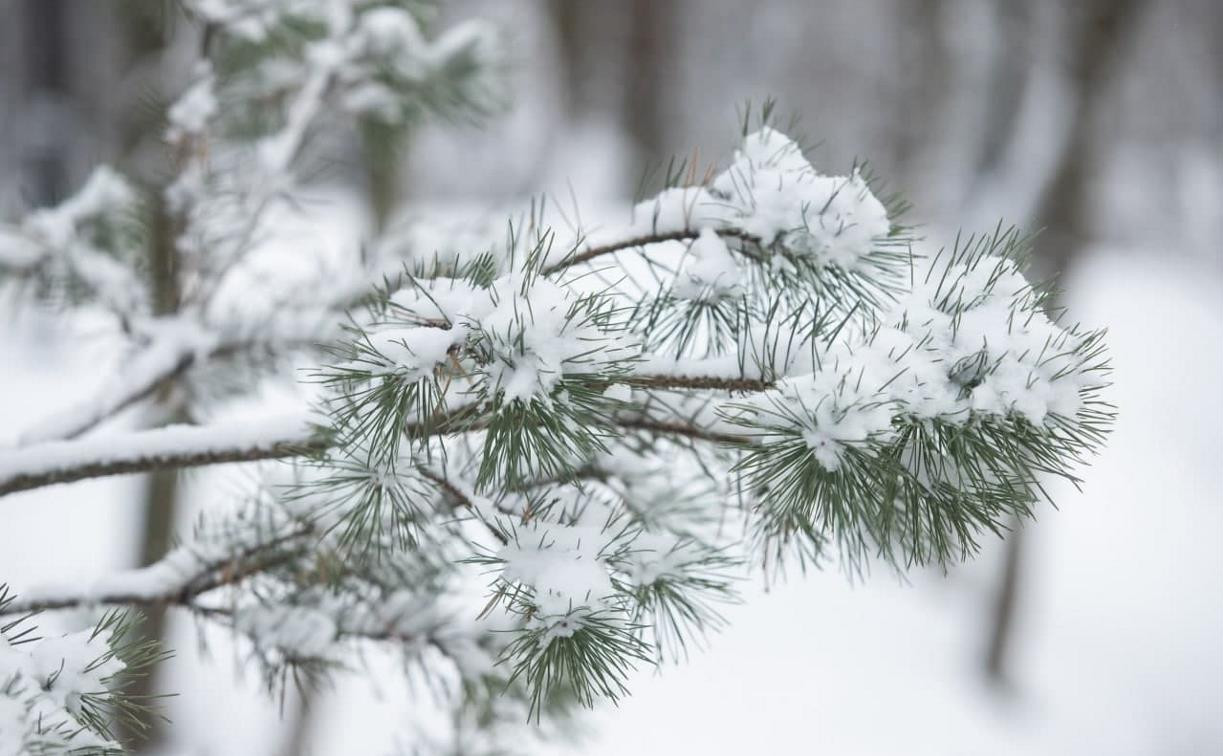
1121,615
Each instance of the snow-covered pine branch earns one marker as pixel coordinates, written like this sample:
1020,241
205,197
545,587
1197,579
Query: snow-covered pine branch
779,349
375,60
61,693
536,462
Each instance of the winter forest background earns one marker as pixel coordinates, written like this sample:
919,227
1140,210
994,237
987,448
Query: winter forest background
1101,122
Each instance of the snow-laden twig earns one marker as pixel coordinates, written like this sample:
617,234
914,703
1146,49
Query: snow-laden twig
280,437
586,254
177,579
166,356
696,381
683,429
279,150
170,447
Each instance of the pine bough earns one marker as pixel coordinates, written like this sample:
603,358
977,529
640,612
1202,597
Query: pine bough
534,463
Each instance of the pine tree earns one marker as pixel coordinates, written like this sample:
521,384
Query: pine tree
537,459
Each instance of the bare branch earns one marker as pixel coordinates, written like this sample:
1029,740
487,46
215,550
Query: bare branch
699,382
680,428
587,255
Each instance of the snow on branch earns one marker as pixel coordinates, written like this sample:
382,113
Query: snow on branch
182,446
179,578
174,345
168,354
62,693
777,371
174,446
84,246
583,254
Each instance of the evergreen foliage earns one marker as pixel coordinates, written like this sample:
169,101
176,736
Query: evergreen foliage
536,463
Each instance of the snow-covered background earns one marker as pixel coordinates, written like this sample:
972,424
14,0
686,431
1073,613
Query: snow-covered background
1119,623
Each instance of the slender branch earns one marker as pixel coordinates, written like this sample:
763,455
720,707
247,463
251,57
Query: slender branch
679,428
162,361
129,588
139,380
175,447
587,255
169,582
585,472
460,499
452,491
699,382
170,447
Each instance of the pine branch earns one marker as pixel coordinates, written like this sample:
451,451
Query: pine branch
175,447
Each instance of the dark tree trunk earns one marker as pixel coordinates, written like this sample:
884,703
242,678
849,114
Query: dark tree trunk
649,70
618,62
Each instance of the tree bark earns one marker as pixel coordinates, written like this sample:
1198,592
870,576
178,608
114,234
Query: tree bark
161,498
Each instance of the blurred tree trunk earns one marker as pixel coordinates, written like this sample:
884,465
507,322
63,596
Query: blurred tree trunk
650,66
1096,32
57,88
145,28
382,156
1009,74
161,497
584,33
618,64
924,83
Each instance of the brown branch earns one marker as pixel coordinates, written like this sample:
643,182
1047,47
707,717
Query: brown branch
699,382
138,451
678,428
457,497
74,423
231,570
460,499
117,462
577,257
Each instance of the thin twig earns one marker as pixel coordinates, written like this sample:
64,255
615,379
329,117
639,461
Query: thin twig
643,241
699,382
678,428
230,570
57,462
163,448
